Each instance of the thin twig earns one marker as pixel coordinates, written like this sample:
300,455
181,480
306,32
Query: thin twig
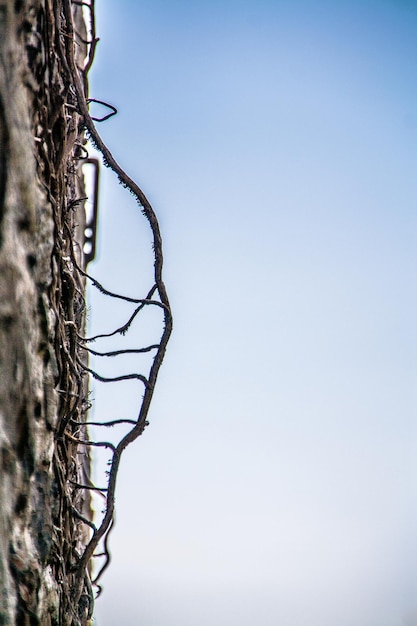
112,423
120,352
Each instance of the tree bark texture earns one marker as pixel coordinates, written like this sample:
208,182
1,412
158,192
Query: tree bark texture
43,391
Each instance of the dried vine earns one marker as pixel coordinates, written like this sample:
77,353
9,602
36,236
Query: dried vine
156,297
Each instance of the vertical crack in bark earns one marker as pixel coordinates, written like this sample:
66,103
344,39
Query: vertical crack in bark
3,170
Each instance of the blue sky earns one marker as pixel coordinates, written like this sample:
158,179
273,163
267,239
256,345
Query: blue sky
277,142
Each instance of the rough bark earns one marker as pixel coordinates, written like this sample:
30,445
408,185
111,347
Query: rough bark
42,387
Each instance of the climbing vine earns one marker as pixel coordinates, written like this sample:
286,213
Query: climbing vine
73,54
156,297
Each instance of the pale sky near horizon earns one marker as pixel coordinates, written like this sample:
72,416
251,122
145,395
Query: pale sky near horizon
277,141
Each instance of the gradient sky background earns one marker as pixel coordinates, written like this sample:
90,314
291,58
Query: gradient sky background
277,142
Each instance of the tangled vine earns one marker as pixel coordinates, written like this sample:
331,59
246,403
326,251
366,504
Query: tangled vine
156,297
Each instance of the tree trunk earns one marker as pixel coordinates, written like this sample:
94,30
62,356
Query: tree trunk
44,515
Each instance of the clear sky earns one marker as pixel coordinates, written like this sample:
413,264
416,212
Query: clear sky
277,142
